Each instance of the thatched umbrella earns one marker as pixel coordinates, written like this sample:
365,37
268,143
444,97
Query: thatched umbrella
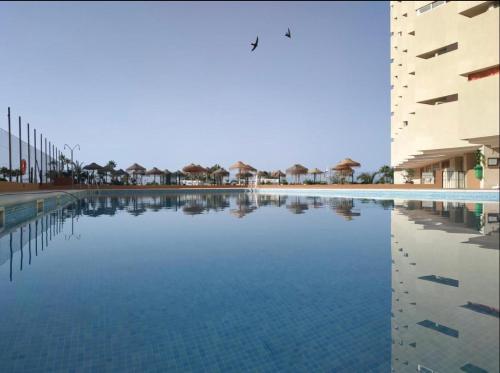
346,165
194,170
166,175
349,162
242,167
297,170
245,175
136,169
106,169
278,174
178,174
154,171
92,167
344,171
118,173
219,174
314,172
249,168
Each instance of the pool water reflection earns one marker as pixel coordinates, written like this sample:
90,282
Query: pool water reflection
237,281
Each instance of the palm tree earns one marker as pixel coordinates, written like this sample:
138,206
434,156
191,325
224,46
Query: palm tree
78,168
111,164
387,174
367,177
211,170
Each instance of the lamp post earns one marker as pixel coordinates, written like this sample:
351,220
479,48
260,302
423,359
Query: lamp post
71,149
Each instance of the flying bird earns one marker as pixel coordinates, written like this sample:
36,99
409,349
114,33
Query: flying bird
254,45
288,34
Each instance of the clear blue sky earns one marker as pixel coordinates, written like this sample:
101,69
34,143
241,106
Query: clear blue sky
166,84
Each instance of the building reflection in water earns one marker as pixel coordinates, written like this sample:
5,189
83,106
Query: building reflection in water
445,287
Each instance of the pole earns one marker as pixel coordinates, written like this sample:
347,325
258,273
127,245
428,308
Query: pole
29,155
10,147
35,177
20,152
51,166
41,159
71,149
46,162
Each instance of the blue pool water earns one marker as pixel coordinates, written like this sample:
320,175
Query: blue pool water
209,282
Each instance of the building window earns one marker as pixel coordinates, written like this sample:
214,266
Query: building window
405,123
493,162
429,7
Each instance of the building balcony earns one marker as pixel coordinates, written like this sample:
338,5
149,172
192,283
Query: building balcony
479,42
436,76
478,109
436,29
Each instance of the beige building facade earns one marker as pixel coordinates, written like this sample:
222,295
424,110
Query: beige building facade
445,93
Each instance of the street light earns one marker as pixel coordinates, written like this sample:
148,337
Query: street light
71,149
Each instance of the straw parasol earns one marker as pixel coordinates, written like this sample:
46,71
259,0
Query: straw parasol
242,167
219,174
297,170
343,171
314,172
278,174
249,168
154,171
344,167
119,172
136,169
166,174
92,167
178,174
349,162
106,169
194,169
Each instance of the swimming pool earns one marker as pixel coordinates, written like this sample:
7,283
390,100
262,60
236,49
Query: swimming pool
235,281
